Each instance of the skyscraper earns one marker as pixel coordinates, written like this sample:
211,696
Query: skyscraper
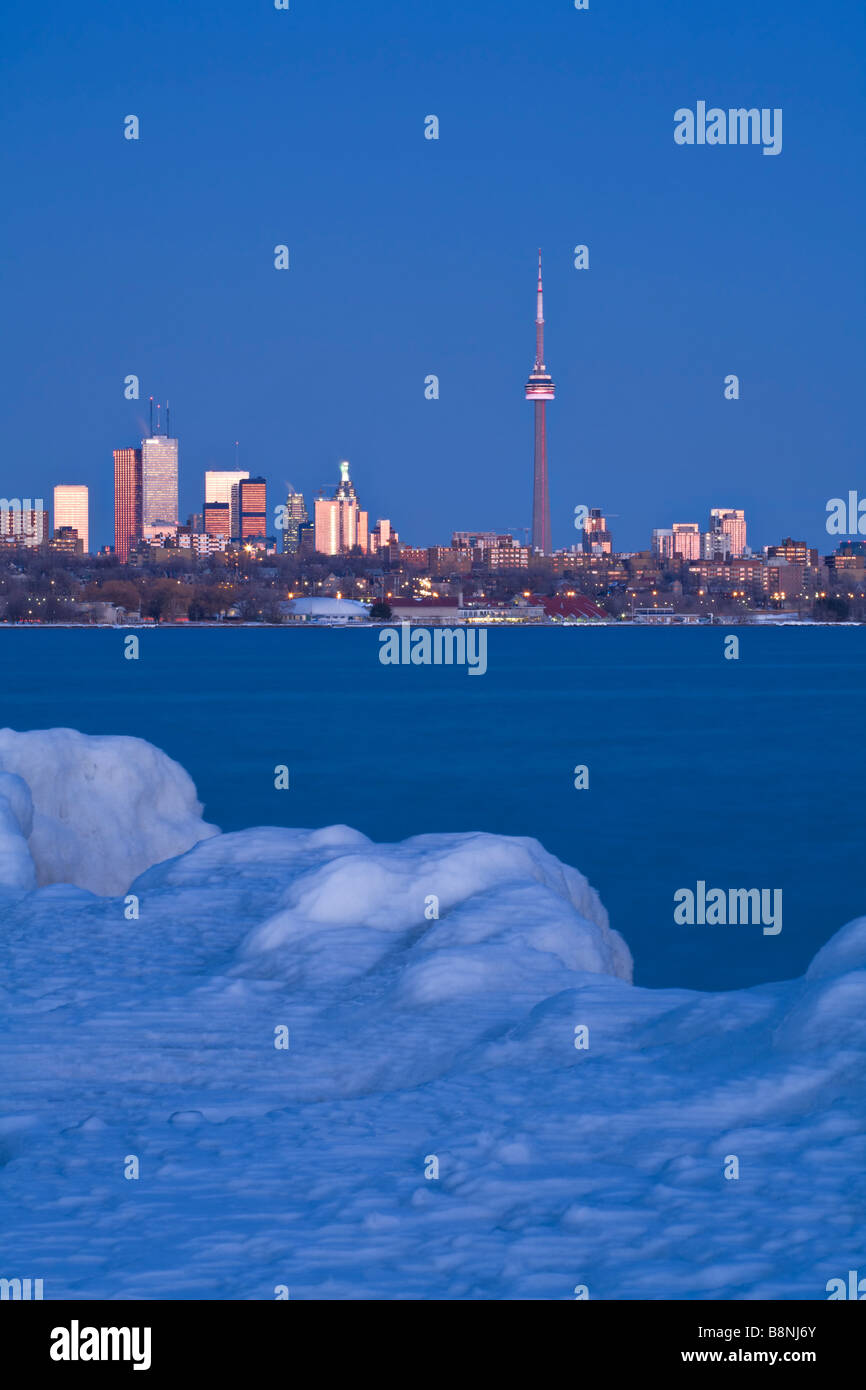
540,389
597,539
159,480
127,500
340,523
662,542
250,498
687,539
296,517
22,523
71,509
731,522
218,484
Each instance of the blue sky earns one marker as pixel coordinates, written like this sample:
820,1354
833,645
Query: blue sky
411,257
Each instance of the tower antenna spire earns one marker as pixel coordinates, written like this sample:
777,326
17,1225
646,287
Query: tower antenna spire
540,389
539,319
151,417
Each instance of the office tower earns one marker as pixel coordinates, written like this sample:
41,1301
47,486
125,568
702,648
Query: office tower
159,481
127,500
250,504
217,519
687,540
326,519
71,510
732,523
218,484
307,539
296,517
540,389
340,524
663,542
381,536
597,539
715,545
23,521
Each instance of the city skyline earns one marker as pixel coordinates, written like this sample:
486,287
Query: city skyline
147,482
235,509
410,257
147,492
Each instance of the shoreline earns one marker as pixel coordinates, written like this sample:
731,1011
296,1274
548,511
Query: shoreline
373,626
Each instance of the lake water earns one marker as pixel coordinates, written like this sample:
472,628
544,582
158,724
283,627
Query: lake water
743,774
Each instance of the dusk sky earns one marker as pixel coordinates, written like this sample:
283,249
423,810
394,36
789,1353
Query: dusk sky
411,256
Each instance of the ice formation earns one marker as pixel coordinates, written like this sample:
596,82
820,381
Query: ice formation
105,808
430,995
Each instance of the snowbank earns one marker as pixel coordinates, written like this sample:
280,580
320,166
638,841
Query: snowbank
430,995
103,808
17,869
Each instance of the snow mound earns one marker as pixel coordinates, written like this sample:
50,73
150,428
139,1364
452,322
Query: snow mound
475,911
17,869
103,809
300,1021
843,952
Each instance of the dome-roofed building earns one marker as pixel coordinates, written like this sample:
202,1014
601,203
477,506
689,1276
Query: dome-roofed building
326,610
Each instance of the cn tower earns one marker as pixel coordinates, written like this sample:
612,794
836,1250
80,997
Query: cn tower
540,389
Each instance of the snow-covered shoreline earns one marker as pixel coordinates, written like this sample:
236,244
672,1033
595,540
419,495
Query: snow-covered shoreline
457,997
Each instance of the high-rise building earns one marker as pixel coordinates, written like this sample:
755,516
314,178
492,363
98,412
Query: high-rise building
340,523
715,544
732,522
663,542
159,480
71,509
23,521
687,539
250,504
218,484
218,519
597,539
540,389
381,536
127,500
307,539
296,517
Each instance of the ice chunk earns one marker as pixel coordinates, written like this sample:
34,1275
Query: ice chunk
104,808
17,869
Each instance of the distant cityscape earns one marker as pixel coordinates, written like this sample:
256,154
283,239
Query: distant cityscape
237,559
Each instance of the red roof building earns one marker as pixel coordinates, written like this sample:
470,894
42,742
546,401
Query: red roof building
569,608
